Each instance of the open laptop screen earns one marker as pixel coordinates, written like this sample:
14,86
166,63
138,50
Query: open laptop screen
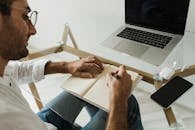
163,15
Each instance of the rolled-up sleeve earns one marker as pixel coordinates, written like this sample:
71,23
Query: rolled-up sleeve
26,71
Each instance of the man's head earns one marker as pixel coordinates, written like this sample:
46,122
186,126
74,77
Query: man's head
15,29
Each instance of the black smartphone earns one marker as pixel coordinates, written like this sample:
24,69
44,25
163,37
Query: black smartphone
171,91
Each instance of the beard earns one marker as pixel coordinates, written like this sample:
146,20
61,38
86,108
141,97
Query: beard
13,54
21,54
12,46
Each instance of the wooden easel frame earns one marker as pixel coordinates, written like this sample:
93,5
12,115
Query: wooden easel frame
81,54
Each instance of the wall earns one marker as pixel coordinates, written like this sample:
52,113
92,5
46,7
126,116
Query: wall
191,17
91,21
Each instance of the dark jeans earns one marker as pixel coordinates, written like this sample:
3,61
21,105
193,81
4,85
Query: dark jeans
63,110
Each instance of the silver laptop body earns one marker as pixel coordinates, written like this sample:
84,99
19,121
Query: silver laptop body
150,36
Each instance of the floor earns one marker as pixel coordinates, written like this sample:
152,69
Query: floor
153,117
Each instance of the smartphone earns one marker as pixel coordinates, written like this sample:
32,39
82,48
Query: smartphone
171,91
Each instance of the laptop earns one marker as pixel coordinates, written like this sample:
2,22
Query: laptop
152,29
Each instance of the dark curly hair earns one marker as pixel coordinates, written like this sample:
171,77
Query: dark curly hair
5,6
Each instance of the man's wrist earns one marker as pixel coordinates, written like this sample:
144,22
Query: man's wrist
119,104
118,115
119,99
56,67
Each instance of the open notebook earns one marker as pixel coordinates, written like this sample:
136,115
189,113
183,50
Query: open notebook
95,90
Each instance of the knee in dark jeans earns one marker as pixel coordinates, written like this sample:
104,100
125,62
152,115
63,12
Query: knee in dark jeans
47,115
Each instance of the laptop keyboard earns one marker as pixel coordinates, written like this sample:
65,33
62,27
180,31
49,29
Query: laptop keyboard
144,37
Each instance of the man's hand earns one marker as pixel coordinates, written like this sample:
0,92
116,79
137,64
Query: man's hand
119,83
86,67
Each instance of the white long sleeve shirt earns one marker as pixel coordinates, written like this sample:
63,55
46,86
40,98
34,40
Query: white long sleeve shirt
15,112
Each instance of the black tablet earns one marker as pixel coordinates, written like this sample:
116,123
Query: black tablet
171,91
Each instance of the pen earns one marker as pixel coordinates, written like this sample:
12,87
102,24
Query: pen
115,75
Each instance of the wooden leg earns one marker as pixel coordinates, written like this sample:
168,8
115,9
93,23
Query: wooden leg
35,93
170,116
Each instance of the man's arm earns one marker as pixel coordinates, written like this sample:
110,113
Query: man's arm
119,84
86,67
34,70
118,116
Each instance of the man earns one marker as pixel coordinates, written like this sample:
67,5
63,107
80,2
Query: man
16,28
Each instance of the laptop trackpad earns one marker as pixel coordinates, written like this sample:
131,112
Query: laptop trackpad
134,49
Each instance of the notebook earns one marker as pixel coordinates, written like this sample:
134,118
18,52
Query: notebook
95,90
152,29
